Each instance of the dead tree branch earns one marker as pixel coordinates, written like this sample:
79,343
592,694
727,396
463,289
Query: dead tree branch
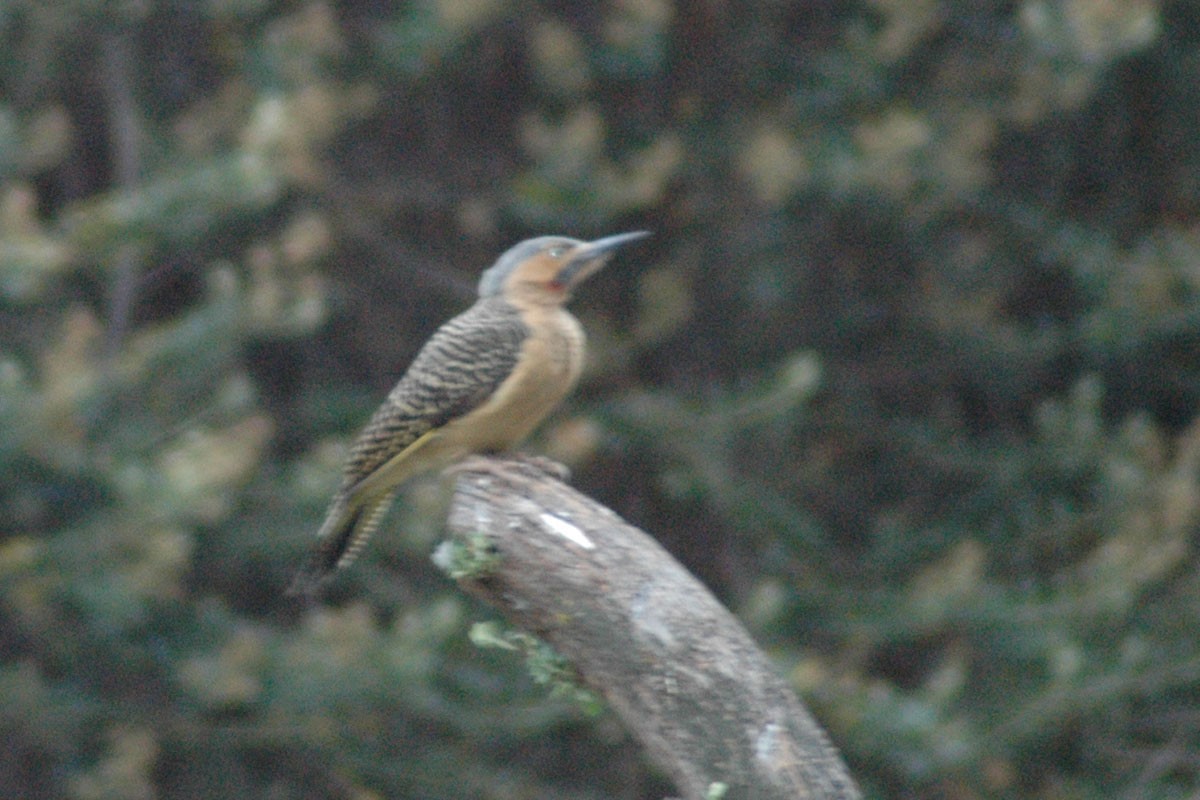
674,664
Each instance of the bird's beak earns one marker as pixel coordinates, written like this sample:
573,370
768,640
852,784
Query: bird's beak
591,256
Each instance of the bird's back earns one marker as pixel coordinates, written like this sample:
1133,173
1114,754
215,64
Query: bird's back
457,370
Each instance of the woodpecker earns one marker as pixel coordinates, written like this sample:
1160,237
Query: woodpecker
480,384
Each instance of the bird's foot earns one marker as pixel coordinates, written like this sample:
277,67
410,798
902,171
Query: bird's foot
546,466
476,463
522,464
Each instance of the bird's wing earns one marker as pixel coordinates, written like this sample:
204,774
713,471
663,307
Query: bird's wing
457,370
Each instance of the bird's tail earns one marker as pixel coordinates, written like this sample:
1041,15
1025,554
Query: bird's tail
346,529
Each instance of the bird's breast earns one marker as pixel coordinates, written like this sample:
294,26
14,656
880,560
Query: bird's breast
548,367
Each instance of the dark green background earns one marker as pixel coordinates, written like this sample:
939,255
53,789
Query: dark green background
909,375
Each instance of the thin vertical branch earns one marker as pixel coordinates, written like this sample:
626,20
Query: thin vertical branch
125,134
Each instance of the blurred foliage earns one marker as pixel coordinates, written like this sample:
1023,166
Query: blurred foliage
910,375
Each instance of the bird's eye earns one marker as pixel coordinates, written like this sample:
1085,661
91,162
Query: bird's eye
556,251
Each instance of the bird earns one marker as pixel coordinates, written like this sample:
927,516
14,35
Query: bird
480,384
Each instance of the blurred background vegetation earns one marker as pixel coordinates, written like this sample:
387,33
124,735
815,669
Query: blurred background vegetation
909,375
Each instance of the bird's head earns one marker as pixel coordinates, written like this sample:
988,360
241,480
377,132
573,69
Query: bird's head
548,268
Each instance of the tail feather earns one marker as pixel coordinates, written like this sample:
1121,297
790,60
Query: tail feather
341,538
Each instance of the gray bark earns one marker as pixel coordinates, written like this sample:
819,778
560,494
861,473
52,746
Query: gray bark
671,661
